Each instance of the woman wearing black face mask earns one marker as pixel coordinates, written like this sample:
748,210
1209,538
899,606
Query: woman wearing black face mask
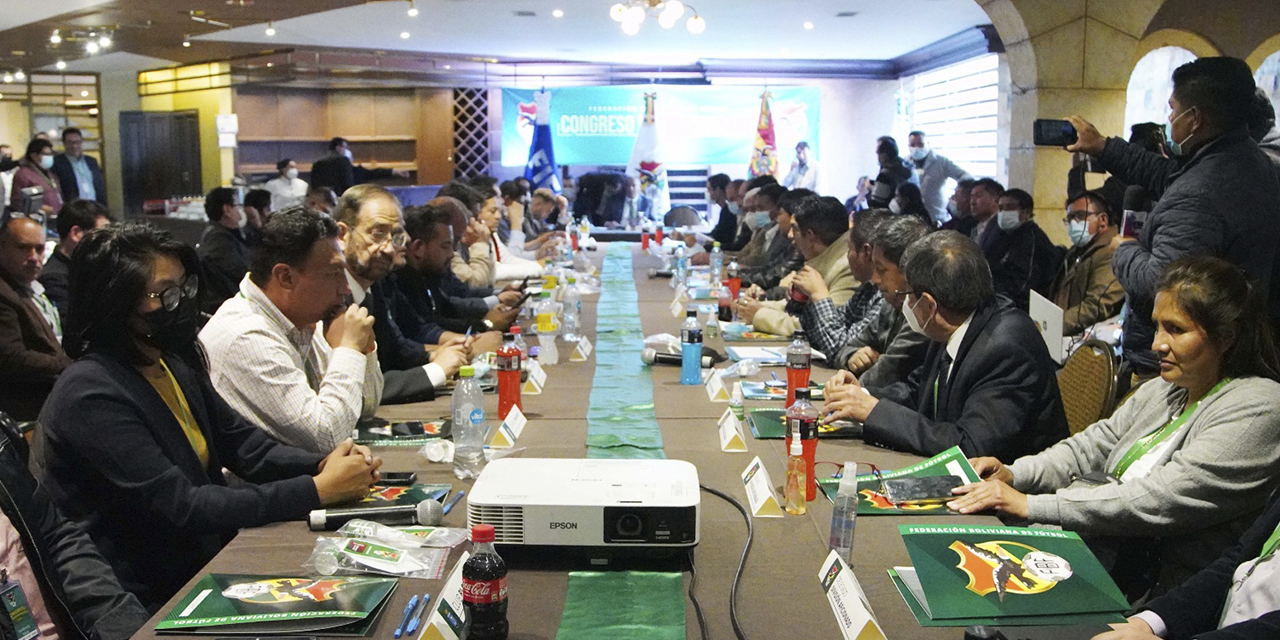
135,438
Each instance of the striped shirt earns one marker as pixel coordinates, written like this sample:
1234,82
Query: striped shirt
288,380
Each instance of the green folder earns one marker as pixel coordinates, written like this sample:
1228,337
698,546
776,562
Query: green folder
1101,620
230,604
872,502
1012,575
771,424
752,390
752,336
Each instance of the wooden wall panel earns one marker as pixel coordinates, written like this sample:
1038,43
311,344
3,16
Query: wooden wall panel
301,115
435,136
396,114
257,111
349,114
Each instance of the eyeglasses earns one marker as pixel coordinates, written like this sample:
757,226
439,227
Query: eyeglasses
1076,216
171,296
378,238
902,293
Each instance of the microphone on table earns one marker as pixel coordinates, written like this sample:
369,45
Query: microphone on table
426,513
652,357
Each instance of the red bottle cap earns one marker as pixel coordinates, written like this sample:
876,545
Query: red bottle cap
515,329
481,533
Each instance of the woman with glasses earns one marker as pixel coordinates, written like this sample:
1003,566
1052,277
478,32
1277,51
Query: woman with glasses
1181,468
135,438
36,170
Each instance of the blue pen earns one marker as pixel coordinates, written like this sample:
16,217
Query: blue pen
452,501
408,611
417,620
775,376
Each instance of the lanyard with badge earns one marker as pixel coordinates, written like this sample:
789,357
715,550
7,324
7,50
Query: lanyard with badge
1145,444
21,624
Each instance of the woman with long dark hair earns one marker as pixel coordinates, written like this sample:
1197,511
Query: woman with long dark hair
1174,476
135,438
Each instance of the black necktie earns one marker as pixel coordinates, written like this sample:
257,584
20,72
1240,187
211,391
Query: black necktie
940,379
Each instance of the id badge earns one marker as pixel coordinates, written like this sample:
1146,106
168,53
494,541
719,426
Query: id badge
14,600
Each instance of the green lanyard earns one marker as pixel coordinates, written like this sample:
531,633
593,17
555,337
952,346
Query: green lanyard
1146,443
1269,547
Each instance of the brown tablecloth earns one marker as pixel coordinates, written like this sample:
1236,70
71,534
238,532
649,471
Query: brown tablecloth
779,596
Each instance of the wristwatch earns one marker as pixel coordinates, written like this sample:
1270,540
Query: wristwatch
484,325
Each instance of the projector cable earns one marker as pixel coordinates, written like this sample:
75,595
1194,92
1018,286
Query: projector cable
693,598
742,562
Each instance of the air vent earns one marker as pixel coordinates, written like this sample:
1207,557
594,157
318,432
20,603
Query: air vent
846,14
508,522
525,14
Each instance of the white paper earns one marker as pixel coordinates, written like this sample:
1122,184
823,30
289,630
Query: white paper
510,429
731,438
582,350
1048,319
848,602
537,379
716,391
764,502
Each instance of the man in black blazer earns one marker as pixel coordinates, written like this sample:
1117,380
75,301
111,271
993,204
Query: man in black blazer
987,385
79,176
337,171
1195,609
371,227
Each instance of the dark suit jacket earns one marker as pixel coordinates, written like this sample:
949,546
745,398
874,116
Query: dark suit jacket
401,358
1001,399
70,186
1021,261
224,258
417,312
339,174
1194,608
116,460
30,356
780,258
461,299
54,279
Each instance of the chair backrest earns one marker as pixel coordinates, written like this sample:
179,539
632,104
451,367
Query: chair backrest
1088,384
682,217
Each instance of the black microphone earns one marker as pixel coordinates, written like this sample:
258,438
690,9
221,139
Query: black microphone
427,513
651,357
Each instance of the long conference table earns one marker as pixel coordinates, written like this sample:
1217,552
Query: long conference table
779,597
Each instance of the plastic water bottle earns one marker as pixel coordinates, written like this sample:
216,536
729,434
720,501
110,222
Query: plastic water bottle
572,310
717,264
681,265
508,365
734,278
691,349
517,335
548,327
799,358
467,407
844,512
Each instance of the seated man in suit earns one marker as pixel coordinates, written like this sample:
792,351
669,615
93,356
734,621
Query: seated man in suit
31,355
226,245
886,350
820,232
987,385
372,231
770,255
76,218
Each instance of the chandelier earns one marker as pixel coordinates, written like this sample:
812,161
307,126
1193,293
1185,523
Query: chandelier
631,13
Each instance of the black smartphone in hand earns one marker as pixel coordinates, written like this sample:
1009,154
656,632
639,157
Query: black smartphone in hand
1053,133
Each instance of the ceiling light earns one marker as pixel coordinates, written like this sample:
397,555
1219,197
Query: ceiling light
8,77
618,12
696,24
448,67
413,10
105,42
186,40
56,38
632,13
1,96
271,28
84,94
404,35
91,46
635,13
60,65
808,26
19,75
631,28
557,13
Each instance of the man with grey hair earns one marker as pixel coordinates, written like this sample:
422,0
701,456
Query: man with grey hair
987,384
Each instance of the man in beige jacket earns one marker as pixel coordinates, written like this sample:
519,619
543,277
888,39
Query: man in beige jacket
820,232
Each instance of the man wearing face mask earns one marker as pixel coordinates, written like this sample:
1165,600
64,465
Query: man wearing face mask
1087,289
1219,198
372,231
31,355
1021,257
287,189
933,171
894,170
339,172
775,255
984,202
959,209
987,384
226,244
726,228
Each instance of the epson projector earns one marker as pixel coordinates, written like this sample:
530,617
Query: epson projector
626,507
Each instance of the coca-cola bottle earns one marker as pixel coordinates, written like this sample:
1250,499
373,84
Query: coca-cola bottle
484,588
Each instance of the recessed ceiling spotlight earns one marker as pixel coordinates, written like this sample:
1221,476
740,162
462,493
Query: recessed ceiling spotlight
60,65
186,40
105,42
84,94
558,13
56,38
808,26
271,28
92,47
413,10
8,77
448,67
19,75
404,35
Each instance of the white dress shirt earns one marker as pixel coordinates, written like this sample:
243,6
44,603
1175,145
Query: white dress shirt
954,342
285,379
435,372
285,192
1255,590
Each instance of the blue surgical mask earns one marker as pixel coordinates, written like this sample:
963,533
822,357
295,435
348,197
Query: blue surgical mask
734,208
919,153
1078,231
762,219
1175,147
46,162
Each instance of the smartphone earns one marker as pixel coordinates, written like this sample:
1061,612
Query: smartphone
524,284
921,490
398,478
1053,133
522,299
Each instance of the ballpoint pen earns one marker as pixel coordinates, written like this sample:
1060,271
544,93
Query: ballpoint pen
408,612
422,613
454,500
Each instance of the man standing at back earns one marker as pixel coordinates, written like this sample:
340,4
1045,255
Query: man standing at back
79,176
1219,198
933,171
272,359
339,172
31,355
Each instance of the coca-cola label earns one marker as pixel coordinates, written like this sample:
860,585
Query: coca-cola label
508,363
799,360
484,591
806,427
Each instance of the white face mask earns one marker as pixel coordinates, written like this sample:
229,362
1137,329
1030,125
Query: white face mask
894,206
244,219
291,173
918,153
347,153
46,162
1078,231
734,208
913,322
758,220
1008,220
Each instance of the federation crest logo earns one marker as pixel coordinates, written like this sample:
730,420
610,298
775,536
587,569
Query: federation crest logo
1009,567
526,120
880,501
385,494
282,590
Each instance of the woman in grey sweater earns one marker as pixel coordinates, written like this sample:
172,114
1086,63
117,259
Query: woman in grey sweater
1170,480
